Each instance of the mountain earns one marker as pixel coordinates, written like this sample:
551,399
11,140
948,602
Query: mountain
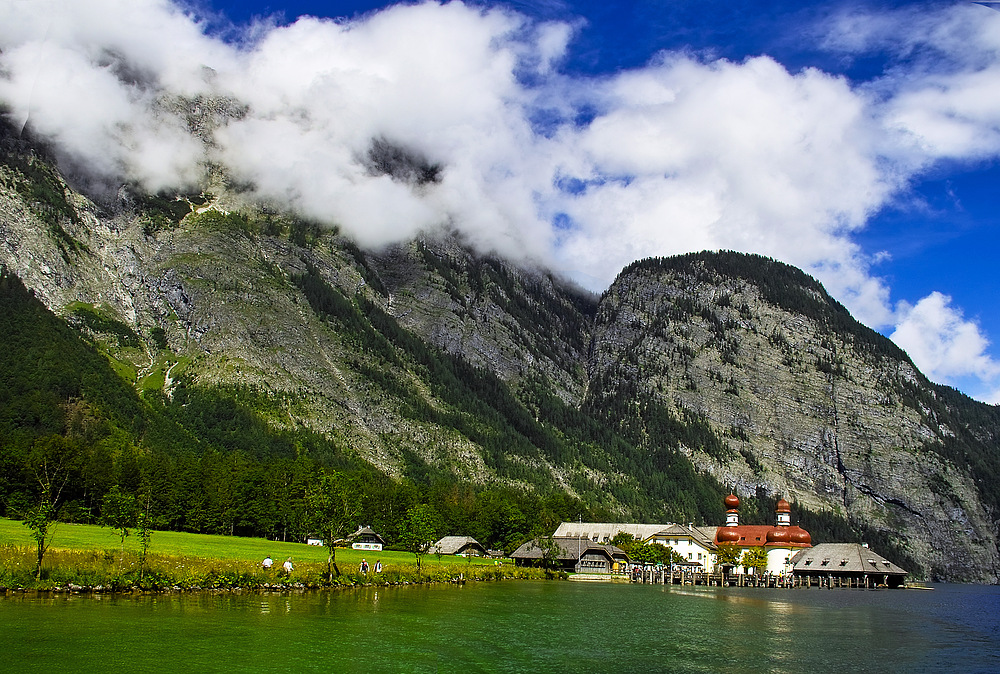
804,401
252,341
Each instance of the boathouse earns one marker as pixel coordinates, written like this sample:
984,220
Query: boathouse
572,554
846,565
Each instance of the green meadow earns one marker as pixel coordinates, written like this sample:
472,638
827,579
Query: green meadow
91,556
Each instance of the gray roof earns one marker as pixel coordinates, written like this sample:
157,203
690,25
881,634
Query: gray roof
451,545
842,558
364,531
570,548
605,531
704,536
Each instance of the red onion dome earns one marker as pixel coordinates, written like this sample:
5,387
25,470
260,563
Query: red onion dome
784,506
732,503
800,535
779,535
727,535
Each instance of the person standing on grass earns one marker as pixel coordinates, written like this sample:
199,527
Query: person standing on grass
364,566
378,566
267,563
288,566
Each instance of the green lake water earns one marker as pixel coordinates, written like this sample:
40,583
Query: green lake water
510,627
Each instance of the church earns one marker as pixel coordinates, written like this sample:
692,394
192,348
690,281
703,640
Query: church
780,542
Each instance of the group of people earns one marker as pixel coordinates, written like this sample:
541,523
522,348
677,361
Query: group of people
287,567
363,568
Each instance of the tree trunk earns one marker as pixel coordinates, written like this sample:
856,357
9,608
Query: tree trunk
331,564
38,565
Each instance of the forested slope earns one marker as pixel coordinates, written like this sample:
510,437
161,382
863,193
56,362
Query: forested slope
216,358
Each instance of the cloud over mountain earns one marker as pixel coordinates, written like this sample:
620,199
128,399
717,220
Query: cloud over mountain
584,174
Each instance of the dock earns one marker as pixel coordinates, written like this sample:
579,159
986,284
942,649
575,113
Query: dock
664,576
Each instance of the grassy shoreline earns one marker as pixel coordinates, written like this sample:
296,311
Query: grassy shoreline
87,558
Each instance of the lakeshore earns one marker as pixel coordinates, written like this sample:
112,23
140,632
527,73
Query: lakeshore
86,559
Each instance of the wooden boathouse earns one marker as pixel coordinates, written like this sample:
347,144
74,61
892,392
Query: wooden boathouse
846,565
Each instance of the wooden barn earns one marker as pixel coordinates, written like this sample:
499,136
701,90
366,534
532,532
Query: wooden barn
466,546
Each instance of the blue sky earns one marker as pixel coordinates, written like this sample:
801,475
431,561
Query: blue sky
859,141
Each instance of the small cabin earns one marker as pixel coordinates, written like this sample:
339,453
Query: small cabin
463,546
365,539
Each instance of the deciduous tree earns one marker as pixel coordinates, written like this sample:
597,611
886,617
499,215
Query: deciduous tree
333,505
550,552
51,460
754,558
118,512
419,530
728,555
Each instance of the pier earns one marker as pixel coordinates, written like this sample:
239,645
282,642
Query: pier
664,576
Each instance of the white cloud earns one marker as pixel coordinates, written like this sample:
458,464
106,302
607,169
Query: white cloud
942,101
942,343
682,154
724,155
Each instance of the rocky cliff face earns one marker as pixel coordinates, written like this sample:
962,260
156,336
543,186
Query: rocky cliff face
511,321
802,401
807,403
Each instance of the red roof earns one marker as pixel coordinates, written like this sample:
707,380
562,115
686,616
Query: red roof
752,535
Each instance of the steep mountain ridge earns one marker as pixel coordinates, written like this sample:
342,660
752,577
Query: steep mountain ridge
806,402
427,356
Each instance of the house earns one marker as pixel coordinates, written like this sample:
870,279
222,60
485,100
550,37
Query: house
694,544
458,545
365,539
780,542
852,564
572,554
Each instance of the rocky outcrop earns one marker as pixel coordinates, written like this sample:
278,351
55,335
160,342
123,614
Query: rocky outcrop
515,322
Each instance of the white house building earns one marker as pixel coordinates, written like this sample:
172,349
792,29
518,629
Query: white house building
694,544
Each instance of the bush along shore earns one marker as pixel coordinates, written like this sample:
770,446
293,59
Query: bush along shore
113,571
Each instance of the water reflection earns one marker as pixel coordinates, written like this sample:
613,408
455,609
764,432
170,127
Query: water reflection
510,627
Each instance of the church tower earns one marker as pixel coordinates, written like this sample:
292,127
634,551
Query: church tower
732,510
784,511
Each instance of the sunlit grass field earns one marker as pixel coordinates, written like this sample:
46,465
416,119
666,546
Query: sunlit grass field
91,555
92,537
